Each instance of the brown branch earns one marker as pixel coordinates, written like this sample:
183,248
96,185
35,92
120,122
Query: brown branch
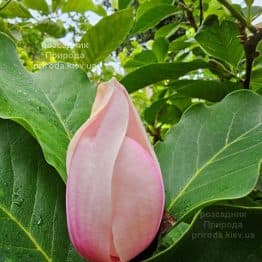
189,14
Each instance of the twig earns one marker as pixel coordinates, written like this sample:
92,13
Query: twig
155,132
238,16
201,15
189,14
5,5
249,42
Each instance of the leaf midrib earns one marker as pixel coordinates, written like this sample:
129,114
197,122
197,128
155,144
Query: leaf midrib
28,234
68,134
209,162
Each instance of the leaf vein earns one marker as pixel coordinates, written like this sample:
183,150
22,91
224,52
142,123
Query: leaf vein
210,161
68,133
28,234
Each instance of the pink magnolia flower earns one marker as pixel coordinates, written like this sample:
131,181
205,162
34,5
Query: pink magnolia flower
115,195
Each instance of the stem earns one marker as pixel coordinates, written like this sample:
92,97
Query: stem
249,14
249,42
201,12
189,14
155,132
238,16
5,5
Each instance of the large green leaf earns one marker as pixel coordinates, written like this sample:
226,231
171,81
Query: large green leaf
122,4
103,38
167,30
4,28
14,9
223,233
51,104
221,40
150,14
255,11
82,6
143,58
40,5
180,44
212,90
214,153
56,4
160,48
153,73
32,206
254,199
55,29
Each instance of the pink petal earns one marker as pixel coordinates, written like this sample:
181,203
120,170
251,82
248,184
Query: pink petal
90,164
136,128
137,197
103,96
115,195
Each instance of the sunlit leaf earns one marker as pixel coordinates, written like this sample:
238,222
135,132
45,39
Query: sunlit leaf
50,104
103,38
214,153
221,40
154,73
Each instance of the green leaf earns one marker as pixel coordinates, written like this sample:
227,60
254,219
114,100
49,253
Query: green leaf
151,112
62,54
55,29
154,73
167,30
162,112
103,38
214,153
180,43
40,5
32,206
56,4
150,14
166,110
259,185
82,6
254,199
212,90
221,40
169,114
223,233
141,59
122,4
15,9
51,104
249,2
4,28
170,240
256,80
160,48
256,11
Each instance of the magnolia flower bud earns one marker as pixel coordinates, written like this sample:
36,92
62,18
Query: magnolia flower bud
115,195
